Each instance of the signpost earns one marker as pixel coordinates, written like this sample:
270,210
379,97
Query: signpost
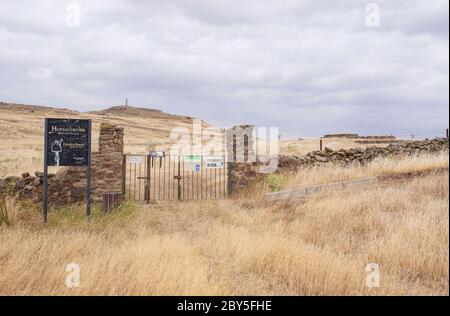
67,142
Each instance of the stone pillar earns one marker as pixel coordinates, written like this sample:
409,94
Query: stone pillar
240,142
107,163
69,183
110,139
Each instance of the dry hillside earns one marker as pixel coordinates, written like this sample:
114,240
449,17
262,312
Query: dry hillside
22,129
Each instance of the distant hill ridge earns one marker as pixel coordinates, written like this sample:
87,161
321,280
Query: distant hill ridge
121,111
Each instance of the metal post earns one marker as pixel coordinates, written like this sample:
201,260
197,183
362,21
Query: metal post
124,172
229,180
179,179
45,191
147,180
88,172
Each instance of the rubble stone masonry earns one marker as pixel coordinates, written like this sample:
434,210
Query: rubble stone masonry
68,185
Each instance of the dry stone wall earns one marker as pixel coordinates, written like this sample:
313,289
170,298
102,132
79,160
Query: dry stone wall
68,185
362,155
246,173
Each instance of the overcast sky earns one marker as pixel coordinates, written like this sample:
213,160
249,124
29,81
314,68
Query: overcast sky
308,67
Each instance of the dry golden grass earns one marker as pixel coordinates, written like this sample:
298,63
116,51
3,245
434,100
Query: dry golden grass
377,167
243,246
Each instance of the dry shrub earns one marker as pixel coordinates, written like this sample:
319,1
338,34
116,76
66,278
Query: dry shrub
9,210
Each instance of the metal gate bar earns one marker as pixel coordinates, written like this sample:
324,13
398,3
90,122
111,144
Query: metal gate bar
148,179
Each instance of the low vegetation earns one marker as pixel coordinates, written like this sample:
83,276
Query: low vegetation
377,167
9,210
245,246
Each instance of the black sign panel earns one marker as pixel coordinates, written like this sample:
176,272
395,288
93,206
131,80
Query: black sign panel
68,142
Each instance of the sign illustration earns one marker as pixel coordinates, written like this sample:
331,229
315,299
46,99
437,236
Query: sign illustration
67,142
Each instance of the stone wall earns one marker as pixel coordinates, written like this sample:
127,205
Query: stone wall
361,155
68,185
246,173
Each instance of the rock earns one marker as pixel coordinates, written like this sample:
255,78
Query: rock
321,159
25,175
41,174
320,153
20,184
29,179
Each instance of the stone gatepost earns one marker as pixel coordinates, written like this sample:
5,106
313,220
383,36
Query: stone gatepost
68,185
240,143
107,162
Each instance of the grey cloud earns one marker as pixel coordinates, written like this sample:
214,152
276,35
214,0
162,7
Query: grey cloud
309,67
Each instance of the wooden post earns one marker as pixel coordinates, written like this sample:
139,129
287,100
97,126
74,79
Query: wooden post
321,144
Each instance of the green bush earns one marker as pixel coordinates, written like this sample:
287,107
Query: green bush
275,181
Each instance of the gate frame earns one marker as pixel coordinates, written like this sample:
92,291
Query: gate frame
178,177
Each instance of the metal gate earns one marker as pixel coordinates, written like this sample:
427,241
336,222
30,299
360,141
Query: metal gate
147,178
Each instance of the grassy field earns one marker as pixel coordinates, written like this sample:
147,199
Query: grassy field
245,246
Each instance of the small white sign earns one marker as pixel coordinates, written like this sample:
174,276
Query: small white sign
135,159
214,163
192,166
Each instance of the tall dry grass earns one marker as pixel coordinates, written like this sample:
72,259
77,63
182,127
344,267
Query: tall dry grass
243,246
378,167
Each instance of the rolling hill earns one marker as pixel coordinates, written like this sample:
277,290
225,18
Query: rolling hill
22,129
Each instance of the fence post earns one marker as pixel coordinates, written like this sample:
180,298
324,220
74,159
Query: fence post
179,178
321,144
124,171
229,176
147,179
